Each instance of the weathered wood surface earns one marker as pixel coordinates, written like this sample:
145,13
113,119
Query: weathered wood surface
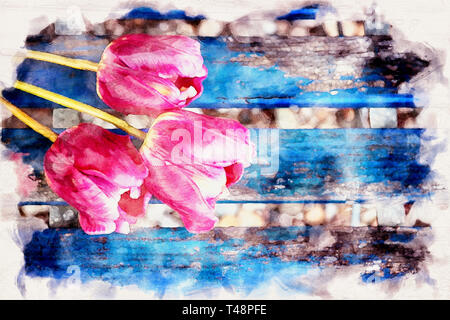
299,165
146,13
270,72
239,259
314,165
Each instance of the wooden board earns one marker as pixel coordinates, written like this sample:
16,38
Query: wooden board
270,72
312,166
238,259
299,165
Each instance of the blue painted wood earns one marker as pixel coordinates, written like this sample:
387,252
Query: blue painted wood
238,259
229,83
308,164
314,166
305,13
156,201
152,14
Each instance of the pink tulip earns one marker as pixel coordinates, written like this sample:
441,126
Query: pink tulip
143,74
100,174
192,159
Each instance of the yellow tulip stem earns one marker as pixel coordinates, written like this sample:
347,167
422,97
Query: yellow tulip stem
81,107
69,62
29,121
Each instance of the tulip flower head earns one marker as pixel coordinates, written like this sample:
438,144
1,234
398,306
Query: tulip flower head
144,74
192,159
100,174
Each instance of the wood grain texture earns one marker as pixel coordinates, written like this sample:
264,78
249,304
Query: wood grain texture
313,165
238,259
270,72
299,165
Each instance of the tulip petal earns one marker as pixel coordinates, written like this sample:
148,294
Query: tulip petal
97,211
94,226
191,190
192,159
91,168
134,207
143,74
170,55
135,93
200,138
99,152
122,226
234,173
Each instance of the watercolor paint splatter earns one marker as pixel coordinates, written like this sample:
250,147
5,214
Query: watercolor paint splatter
342,171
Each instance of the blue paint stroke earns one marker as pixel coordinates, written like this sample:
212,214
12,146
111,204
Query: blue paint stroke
305,13
312,163
152,14
156,201
404,238
229,84
154,260
172,258
379,276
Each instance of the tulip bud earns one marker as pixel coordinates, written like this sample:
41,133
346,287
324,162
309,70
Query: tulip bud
143,74
192,159
100,174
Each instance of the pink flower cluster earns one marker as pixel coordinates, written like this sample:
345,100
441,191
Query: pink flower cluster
187,159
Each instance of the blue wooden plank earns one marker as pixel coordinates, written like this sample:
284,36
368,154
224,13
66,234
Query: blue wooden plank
156,201
229,83
307,164
239,259
305,13
152,14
